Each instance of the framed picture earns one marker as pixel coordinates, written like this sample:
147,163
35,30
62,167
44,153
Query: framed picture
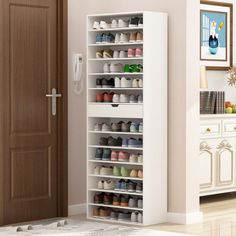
216,35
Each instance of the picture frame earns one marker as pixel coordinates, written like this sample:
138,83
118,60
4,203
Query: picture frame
216,35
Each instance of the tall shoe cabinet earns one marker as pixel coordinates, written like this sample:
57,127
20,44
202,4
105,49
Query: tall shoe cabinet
152,112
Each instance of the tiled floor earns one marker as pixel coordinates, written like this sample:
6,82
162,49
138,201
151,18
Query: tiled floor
219,218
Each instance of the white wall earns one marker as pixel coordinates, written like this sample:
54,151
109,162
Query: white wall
217,79
183,187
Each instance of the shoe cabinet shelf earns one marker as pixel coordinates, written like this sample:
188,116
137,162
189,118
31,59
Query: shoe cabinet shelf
127,118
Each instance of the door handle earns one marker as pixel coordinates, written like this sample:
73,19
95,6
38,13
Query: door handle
54,97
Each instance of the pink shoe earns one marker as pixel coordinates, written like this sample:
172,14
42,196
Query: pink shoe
114,156
138,52
123,157
131,52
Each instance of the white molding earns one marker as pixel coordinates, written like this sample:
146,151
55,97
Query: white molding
184,218
76,209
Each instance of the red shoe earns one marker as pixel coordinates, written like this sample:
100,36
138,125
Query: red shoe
99,98
108,97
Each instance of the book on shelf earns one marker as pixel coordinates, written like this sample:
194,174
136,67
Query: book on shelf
212,102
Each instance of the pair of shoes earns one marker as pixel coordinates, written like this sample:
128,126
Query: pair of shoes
128,186
124,98
137,217
104,97
105,83
101,25
119,23
132,143
106,184
105,38
120,54
137,83
134,68
101,212
136,128
103,170
135,202
121,171
112,68
107,53
136,158
136,173
103,154
121,38
102,127
121,126
123,82
136,22
120,200
135,52
103,198
110,141
136,37
119,156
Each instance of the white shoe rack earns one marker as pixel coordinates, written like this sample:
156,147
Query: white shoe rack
152,113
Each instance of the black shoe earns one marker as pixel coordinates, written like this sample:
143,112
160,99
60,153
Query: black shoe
134,21
103,141
140,23
105,83
131,186
98,83
111,82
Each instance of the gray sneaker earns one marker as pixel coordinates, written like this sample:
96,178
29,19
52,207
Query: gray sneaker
132,202
140,203
97,127
114,215
133,99
123,216
140,99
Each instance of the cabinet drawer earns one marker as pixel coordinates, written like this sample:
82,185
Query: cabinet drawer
210,129
229,128
121,110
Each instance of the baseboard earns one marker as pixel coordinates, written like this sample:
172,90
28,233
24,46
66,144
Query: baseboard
76,209
181,218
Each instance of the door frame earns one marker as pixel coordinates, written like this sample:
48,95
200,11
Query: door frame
62,29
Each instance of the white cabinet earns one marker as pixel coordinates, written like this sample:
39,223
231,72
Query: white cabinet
217,155
151,113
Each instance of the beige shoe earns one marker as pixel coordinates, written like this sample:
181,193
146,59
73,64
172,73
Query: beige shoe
132,37
134,173
140,174
139,37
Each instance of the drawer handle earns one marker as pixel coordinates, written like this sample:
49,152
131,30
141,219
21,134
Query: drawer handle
235,128
114,105
208,130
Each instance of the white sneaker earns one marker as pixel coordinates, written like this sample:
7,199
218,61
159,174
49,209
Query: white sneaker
106,68
134,216
96,170
122,23
117,82
124,98
96,25
104,25
133,158
116,68
109,184
117,38
140,83
123,54
124,38
126,82
106,127
135,83
116,98
101,184
114,23
140,158
116,54
140,217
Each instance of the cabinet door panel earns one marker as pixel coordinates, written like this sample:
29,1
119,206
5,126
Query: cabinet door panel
206,166
225,163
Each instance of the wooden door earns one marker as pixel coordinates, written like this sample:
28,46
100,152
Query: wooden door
30,157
